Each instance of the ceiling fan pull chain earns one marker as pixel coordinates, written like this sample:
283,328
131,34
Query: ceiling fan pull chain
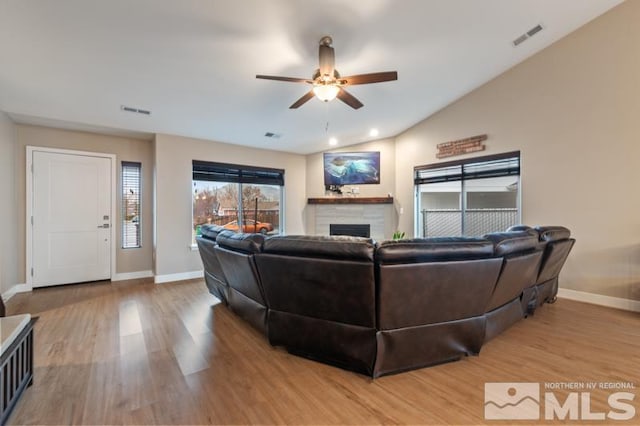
326,114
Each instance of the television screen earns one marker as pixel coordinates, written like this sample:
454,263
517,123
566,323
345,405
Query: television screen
351,168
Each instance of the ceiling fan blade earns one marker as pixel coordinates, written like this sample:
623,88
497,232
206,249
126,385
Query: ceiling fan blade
327,60
291,79
376,77
302,100
349,99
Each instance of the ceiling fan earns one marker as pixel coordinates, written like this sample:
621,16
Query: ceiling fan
327,82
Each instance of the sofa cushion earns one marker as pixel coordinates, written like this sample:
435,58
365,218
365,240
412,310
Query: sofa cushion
553,233
433,249
519,228
333,247
245,243
211,231
505,243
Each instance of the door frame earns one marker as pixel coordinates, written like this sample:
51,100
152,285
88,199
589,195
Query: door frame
29,200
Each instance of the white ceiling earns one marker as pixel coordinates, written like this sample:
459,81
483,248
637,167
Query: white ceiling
73,63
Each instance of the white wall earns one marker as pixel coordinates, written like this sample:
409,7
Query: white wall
8,206
572,111
173,160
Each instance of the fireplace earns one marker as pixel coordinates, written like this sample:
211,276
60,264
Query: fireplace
354,230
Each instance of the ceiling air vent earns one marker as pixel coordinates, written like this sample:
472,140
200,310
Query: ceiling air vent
136,110
533,31
524,37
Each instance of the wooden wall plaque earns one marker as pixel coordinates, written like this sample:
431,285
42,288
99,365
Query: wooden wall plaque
461,146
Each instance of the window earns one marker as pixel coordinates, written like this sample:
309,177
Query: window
131,205
470,197
240,198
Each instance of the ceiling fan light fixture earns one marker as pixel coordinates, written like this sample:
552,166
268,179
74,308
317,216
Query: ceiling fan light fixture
326,92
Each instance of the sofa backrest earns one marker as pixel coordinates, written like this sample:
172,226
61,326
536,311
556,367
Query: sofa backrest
330,278
235,252
418,250
432,280
521,254
211,232
558,245
339,247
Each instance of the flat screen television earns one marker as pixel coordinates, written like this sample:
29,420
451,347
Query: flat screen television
351,168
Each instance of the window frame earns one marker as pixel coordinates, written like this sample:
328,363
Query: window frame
137,166
206,171
469,169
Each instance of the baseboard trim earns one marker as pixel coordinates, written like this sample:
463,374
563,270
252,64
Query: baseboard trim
18,288
159,279
599,299
131,275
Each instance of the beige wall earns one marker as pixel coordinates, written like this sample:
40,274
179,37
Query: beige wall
173,157
8,206
572,110
315,178
125,149
387,148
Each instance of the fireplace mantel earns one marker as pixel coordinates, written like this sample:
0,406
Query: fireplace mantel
351,200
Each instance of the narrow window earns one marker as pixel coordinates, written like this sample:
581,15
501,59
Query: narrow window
131,205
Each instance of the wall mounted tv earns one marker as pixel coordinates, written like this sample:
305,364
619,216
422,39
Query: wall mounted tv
351,168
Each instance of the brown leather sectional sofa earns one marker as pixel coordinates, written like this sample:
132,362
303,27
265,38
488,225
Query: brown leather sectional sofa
384,308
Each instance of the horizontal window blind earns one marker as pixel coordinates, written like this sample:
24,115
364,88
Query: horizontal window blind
131,219
221,172
474,168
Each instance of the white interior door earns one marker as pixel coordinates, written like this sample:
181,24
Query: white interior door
71,235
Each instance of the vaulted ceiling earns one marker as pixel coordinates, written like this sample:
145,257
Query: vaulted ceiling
192,63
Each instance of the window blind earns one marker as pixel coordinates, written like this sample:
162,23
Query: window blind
507,164
221,172
130,215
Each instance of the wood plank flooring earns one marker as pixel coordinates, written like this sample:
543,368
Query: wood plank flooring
139,353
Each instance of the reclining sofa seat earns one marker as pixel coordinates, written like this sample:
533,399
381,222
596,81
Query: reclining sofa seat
556,243
321,297
521,253
213,274
236,253
397,306
558,246
432,296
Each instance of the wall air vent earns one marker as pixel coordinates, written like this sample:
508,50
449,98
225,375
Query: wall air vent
524,37
136,110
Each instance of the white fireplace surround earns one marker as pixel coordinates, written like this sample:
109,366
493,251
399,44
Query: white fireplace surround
380,217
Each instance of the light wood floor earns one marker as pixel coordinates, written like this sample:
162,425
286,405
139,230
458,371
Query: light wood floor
139,353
